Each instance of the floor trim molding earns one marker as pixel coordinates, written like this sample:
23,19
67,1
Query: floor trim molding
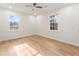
59,41
41,36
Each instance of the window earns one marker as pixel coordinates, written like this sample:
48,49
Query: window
13,22
53,23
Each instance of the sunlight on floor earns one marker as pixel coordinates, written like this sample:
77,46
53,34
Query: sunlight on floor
26,50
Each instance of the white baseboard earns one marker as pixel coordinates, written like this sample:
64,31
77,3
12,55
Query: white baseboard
43,36
17,37
59,40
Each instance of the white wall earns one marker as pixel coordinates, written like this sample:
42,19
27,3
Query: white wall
68,22
26,25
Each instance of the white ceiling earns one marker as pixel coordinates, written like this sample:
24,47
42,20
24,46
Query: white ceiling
20,7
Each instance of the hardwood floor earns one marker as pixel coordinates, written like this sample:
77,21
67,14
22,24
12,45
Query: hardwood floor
36,46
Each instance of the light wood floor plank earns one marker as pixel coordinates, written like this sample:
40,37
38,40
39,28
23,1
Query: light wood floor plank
37,46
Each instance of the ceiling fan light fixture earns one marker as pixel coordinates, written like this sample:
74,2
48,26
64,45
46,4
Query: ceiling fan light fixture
34,4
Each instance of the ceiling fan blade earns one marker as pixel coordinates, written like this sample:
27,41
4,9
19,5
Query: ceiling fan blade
39,7
28,6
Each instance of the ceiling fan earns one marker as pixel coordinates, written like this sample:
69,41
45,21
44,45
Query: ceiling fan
35,5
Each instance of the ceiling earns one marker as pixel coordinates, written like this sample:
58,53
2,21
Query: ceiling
20,7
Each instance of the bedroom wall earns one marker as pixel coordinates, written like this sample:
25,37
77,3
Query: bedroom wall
67,18
26,25
68,25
